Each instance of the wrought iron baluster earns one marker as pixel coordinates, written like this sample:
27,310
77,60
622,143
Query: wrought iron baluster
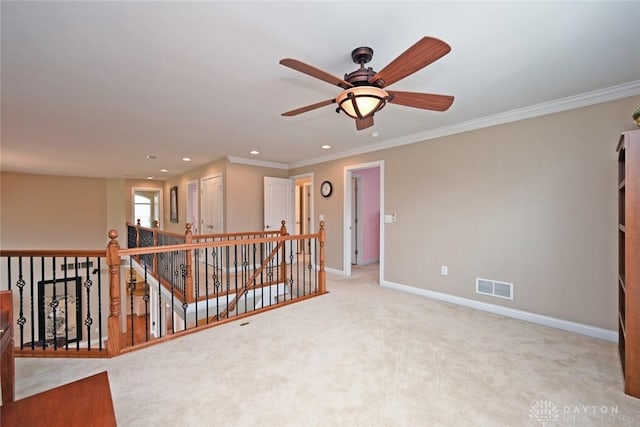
32,303
315,277
217,282
88,321
20,285
173,284
290,278
228,278
99,304
42,331
146,299
131,286
196,284
160,311
235,265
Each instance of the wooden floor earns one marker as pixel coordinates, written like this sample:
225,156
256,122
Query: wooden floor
139,332
80,403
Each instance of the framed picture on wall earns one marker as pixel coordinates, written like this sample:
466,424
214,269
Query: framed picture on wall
59,307
173,204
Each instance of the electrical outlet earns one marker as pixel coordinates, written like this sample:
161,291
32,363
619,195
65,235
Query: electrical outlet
444,270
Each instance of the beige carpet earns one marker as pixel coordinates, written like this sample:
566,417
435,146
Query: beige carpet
361,356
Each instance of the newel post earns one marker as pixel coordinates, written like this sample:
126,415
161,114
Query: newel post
322,275
156,226
188,280
138,233
283,263
114,344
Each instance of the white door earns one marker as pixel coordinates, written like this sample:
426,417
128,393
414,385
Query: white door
211,220
279,203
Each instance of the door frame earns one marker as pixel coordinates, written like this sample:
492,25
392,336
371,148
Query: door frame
155,190
310,208
357,228
346,232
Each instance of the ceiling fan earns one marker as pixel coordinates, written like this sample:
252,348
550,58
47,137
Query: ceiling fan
364,91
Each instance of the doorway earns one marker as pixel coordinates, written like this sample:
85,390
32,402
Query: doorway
147,206
363,217
303,203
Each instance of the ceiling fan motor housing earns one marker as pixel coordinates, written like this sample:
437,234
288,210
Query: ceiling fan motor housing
360,77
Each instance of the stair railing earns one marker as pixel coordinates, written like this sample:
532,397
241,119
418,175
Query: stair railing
217,295
101,303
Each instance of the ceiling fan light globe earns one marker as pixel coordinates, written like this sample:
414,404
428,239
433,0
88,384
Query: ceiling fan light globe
361,102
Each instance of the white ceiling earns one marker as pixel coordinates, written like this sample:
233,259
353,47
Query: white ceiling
92,88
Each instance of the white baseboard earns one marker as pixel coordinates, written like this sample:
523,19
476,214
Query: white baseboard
334,271
579,328
369,261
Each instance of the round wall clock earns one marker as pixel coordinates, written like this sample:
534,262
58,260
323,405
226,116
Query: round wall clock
326,188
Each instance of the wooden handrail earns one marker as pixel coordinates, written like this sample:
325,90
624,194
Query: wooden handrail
238,234
185,246
196,237
53,253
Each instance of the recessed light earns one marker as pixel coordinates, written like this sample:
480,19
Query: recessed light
150,177
375,134
326,147
164,170
152,157
255,152
186,159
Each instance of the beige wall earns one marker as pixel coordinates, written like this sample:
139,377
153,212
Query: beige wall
531,202
243,194
181,181
117,204
53,212
244,185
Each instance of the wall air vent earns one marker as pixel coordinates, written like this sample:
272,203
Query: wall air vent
494,288
74,266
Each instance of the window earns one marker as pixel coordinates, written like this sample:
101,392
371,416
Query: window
146,207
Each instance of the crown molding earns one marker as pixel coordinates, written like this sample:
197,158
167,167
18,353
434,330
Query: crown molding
254,162
612,93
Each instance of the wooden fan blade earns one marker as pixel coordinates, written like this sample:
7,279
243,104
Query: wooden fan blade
418,56
308,108
364,123
315,72
427,101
